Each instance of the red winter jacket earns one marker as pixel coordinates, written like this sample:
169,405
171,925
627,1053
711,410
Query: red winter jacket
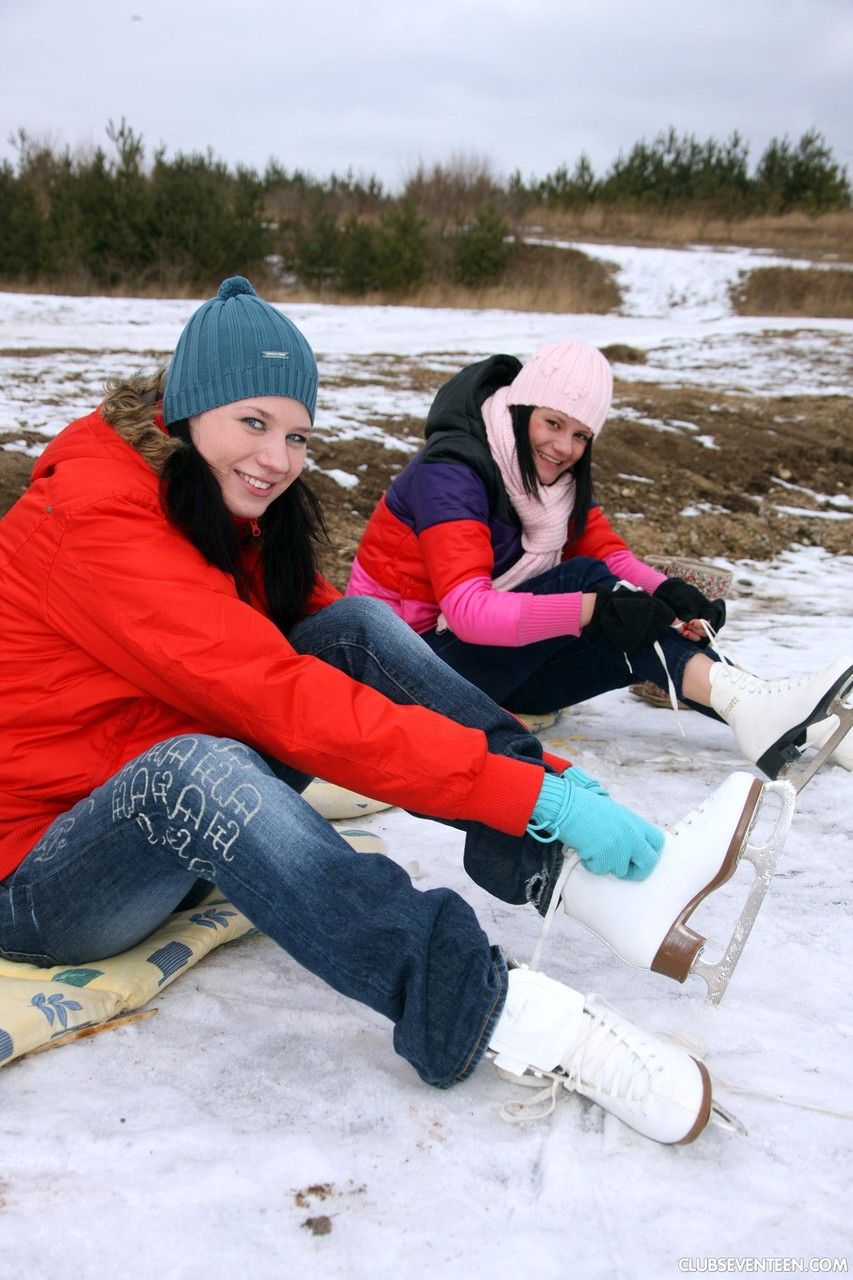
117,634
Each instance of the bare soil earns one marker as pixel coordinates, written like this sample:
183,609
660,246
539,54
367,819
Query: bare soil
764,447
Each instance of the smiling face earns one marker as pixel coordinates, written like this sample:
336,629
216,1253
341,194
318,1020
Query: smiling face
557,442
255,449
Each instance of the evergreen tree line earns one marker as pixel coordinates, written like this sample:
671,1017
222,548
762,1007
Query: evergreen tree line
116,218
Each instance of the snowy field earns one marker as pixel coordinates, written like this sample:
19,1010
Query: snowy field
199,1142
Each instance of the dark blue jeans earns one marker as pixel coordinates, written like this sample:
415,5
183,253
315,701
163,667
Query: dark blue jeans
561,672
110,870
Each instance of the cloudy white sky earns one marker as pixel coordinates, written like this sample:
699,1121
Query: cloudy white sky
381,85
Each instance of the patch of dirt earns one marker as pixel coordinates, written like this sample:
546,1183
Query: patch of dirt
15,471
319,1226
737,488
743,491
317,1191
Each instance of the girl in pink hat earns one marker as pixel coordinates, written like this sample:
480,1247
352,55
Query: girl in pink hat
491,546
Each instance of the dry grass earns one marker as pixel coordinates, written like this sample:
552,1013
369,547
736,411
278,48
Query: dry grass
566,281
538,279
545,279
789,291
75,286
824,235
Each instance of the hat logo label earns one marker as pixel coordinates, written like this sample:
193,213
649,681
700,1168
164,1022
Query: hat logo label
276,355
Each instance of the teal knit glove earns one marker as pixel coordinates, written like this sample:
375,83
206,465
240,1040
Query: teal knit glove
607,836
576,776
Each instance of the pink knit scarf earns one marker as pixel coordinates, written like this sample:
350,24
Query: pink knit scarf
544,518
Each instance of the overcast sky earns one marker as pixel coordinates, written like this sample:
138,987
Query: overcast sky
378,87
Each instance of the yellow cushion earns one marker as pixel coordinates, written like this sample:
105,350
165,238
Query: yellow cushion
40,1005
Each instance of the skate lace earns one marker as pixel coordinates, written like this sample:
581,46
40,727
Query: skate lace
714,639
756,684
536,1107
604,1063
570,861
670,685
747,1090
592,1048
746,680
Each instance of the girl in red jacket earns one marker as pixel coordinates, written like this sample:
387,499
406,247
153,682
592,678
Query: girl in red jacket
490,545
175,670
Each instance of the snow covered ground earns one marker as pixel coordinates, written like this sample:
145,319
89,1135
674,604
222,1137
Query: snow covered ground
56,352
201,1141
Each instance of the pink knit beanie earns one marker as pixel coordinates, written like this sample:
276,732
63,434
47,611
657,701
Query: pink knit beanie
572,377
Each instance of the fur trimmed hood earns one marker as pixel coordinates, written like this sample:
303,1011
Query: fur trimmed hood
132,408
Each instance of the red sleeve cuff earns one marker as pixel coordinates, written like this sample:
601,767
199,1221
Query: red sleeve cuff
505,794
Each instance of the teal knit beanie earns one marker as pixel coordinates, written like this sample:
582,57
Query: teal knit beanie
234,347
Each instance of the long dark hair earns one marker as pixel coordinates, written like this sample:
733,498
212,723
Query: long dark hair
582,470
292,528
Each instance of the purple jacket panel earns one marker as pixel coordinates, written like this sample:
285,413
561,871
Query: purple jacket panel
423,495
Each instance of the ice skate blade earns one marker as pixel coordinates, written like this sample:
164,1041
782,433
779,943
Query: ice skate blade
763,857
801,770
724,1120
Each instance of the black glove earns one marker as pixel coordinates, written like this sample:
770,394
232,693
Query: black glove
629,618
689,603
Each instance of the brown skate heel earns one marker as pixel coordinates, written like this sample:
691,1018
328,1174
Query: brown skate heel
705,1110
681,947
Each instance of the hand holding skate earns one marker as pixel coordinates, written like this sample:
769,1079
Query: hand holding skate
609,838
646,924
629,617
693,630
693,607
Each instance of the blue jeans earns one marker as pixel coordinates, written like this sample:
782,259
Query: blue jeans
196,807
561,672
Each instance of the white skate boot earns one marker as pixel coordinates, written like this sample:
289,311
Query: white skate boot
770,718
548,1030
645,921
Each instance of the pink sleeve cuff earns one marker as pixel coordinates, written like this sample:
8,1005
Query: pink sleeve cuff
547,616
477,614
624,564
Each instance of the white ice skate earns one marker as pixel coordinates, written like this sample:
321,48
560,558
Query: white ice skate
645,921
771,718
547,1030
